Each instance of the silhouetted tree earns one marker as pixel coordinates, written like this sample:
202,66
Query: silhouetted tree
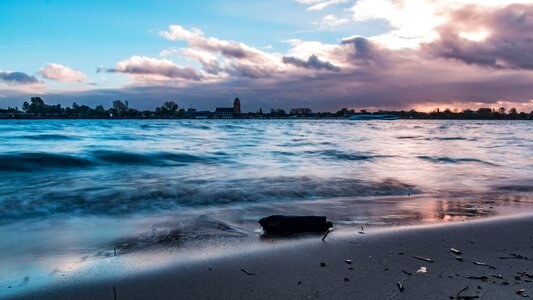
484,113
168,110
278,112
301,111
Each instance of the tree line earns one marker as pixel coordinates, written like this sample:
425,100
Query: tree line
37,108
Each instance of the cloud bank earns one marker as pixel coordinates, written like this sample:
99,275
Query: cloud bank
61,73
17,78
460,53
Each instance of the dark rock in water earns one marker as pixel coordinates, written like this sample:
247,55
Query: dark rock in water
294,224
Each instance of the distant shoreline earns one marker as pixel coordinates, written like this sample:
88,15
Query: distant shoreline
38,109
252,118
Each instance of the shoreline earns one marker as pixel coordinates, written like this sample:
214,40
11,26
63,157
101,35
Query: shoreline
380,258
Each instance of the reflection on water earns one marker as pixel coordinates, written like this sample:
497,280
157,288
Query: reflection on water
73,192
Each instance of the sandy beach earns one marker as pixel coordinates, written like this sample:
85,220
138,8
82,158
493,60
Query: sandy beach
399,263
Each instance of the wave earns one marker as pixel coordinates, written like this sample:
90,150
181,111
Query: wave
153,125
447,139
450,160
341,155
149,159
527,188
27,162
164,195
46,137
39,161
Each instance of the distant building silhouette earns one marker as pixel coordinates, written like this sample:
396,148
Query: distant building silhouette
237,106
229,112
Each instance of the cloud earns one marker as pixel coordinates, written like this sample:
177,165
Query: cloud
312,63
142,65
321,4
413,22
332,21
223,57
196,39
61,73
208,60
17,78
492,37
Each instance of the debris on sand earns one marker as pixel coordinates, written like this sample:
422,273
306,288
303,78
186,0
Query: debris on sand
484,265
294,224
521,291
514,256
348,261
247,273
326,234
322,264
484,278
459,297
455,251
459,258
423,258
400,286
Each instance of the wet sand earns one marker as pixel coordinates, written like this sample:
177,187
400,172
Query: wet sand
495,264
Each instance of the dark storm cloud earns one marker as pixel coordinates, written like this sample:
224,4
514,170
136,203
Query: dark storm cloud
140,65
509,43
14,78
311,63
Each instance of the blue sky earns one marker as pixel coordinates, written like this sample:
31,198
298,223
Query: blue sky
87,34
284,45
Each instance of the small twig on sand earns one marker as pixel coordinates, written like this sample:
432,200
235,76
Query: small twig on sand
326,234
484,278
459,292
400,286
247,273
114,293
455,251
459,297
515,256
423,258
484,264
526,274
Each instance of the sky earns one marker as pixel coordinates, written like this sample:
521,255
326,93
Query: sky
322,54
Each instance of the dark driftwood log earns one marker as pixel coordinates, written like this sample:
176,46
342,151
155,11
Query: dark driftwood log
294,224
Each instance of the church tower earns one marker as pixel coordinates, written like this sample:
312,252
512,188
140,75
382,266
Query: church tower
237,106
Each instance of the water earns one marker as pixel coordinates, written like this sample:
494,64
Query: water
72,191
